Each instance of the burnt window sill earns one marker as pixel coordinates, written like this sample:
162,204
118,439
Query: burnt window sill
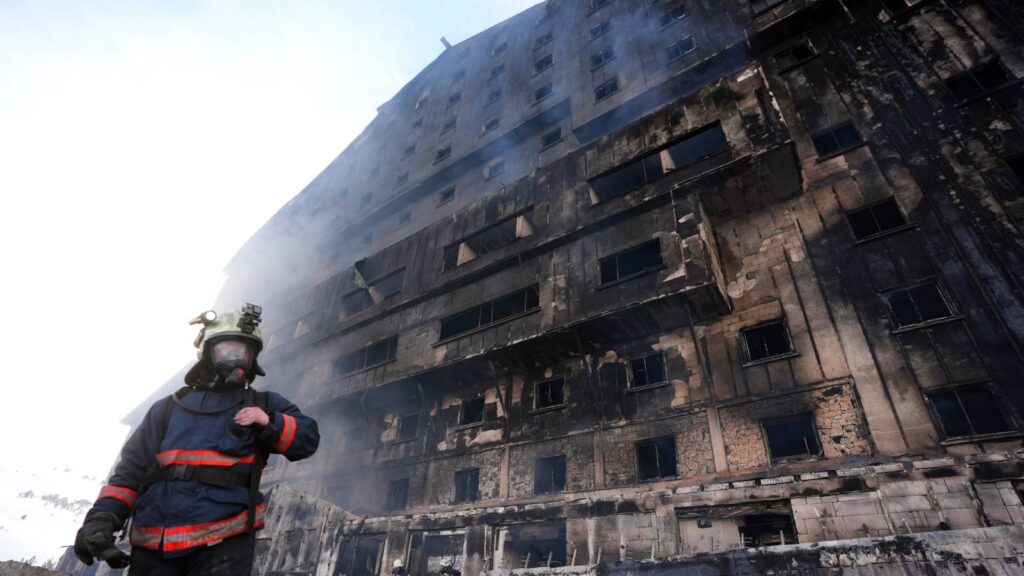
657,479
618,281
760,361
798,458
842,151
561,406
889,232
1009,434
482,328
989,93
647,387
469,426
927,324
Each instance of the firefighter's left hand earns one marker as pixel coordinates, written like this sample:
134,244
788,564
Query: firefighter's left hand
252,415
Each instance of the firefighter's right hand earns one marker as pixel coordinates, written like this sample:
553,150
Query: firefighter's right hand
95,539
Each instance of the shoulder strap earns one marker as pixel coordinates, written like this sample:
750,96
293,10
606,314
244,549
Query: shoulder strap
261,401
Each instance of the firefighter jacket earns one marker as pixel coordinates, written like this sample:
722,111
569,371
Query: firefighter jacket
178,514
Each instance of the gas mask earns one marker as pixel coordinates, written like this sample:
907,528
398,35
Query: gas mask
232,362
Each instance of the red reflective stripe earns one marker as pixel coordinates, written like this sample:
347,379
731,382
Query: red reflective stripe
287,434
192,535
126,495
201,458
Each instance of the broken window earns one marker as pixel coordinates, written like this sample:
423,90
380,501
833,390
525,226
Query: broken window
387,285
496,71
489,124
837,139
443,153
491,312
792,437
968,411
679,48
656,458
494,169
916,305
977,81
543,64
407,426
472,411
533,545
355,302
543,40
601,57
672,15
549,393
647,370
362,555
876,219
493,96
398,494
795,55
446,195
455,98
542,93
549,475
767,340
601,29
606,89
642,258
717,528
551,138
761,6
627,177
449,123
467,485
369,356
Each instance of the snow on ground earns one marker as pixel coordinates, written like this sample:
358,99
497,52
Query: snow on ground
40,511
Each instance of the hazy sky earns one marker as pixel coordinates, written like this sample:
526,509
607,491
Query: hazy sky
141,143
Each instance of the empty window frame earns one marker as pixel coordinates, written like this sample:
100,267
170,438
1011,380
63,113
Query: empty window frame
601,29
543,63
978,81
455,98
766,341
876,219
836,140
407,427
606,89
467,485
388,285
671,15
491,312
636,173
493,96
551,138
496,71
656,458
632,262
543,93
543,40
601,57
398,494
549,475
917,305
549,394
375,354
676,50
795,55
471,411
489,124
443,153
355,302
968,411
647,370
761,6
791,437
446,195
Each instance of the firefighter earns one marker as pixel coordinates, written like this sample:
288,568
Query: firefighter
398,567
189,474
447,569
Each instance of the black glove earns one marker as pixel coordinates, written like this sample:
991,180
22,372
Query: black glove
96,539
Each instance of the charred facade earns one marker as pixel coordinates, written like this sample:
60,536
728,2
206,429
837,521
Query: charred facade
626,279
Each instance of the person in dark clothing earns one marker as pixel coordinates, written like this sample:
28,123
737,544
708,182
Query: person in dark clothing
447,569
189,474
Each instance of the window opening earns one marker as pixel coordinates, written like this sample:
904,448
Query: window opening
449,123
792,437
551,138
678,49
795,55
402,179
408,151
494,170
606,89
601,57
543,40
404,218
761,6
496,71
493,96
549,393
672,15
542,93
398,494
490,312
418,123
647,370
642,258
968,411
543,64
498,49
455,98
490,124
601,29
443,153
765,341
355,302
977,81
387,286
916,305
407,427
467,485
369,356
472,411
837,139
533,545
656,458
549,475
876,219
446,195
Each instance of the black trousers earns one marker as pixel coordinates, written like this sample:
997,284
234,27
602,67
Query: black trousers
231,557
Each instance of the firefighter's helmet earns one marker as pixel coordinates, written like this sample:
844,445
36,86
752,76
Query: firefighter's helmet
242,323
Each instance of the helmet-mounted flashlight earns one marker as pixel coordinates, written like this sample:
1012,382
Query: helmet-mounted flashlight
206,318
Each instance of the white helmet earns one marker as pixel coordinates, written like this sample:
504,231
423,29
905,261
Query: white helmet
397,563
446,563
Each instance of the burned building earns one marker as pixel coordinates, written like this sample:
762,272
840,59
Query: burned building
626,280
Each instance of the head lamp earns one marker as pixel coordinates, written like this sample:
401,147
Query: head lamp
206,318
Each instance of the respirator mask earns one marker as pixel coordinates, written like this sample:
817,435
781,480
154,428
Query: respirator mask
232,362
